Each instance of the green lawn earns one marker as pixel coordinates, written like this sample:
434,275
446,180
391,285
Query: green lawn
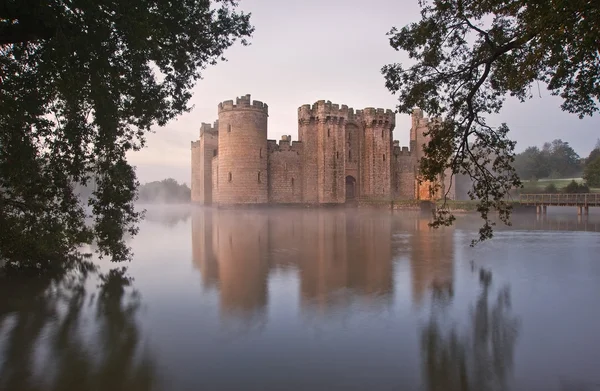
540,184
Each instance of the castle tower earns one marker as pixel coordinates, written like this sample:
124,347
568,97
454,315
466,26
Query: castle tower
242,171
203,152
307,135
446,182
376,169
321,129
420,126
330,132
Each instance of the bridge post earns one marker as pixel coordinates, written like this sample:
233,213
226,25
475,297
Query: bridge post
544,209
579,210
538,209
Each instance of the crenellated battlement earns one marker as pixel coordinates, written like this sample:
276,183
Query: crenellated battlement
379,116
195,144
243,103
325,109
285,145
213,130
401,151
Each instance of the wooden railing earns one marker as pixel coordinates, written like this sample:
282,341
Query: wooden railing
587,199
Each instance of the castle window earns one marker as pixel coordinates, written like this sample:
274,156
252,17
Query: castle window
259,177
229,128
382,133
292,183
384,157
328,134
260,153
229,177
349,155
337,155
349,136
214,152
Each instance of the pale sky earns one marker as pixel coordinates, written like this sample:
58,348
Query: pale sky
302,52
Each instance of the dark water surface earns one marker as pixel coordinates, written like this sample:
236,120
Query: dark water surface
319,300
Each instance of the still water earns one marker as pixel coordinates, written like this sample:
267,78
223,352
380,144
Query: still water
318,300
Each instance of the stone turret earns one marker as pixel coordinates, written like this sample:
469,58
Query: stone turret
242,174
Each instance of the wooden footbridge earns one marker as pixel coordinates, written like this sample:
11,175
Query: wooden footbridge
542,201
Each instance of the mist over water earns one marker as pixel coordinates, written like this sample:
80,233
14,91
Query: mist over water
332,299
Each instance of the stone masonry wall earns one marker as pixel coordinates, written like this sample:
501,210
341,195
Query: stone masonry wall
403,168
352,151
202,153
197,190
285,172
334,142
215,179
307,134
243,152
330,157
379,124
322,133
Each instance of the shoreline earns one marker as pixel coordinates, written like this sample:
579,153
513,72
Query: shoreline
454,206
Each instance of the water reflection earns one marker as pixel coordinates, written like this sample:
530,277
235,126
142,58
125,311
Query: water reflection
168,215
431,260
558,219
55,336
340,258
341,300
481,356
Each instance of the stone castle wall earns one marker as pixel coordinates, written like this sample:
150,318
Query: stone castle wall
341,154
215,179
242,170
197,180
203,151
403,168
285,171
376,155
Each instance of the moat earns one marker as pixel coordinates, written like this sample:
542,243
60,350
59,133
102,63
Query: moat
319,299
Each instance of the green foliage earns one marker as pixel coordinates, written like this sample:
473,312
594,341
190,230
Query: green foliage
573,187
82,83
594,154
530,164
551,189
467,56
167,190
555,160
591,174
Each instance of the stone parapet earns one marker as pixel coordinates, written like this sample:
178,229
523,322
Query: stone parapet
243,103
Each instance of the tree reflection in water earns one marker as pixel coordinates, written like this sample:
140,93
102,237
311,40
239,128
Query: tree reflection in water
481,357
54,335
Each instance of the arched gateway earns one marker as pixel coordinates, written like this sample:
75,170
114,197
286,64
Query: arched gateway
350,188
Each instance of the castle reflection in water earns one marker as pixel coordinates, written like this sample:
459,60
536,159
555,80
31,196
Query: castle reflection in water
338,257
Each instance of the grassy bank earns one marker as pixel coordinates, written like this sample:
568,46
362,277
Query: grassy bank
454,206
540,185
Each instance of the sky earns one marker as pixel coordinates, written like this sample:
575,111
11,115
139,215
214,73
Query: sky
310,50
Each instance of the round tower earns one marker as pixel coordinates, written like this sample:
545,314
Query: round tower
242,172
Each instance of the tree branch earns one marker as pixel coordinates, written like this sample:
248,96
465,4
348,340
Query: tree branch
20,33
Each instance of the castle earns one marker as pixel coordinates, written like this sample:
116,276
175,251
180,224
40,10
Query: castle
341,155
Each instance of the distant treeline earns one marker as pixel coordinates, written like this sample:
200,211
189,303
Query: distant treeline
165,191
556,159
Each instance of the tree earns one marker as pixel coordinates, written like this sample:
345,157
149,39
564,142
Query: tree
167,190
467,56
591,174
563,160
82,83
573,188
594,154
531,163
